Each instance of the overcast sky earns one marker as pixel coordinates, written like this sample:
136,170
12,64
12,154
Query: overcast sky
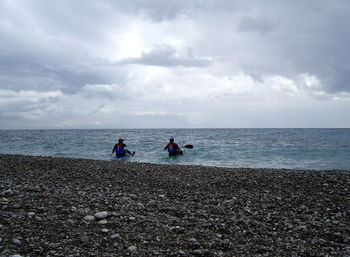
170,64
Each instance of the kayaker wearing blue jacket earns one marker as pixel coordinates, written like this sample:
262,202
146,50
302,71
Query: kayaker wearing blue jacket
172,148
120,150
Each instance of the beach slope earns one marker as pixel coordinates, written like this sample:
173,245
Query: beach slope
77,207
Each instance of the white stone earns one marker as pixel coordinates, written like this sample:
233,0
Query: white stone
101,215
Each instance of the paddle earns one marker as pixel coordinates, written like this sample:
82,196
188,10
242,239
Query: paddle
188,146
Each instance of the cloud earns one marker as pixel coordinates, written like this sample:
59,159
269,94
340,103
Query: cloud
166,56
185,63
261,25
27,104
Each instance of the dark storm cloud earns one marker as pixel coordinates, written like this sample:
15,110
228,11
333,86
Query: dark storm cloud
301,37
275,38
27,73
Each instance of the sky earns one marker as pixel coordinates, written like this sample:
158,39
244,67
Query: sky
174,64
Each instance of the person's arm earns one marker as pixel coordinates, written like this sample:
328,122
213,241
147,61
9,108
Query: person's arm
113,150
166,147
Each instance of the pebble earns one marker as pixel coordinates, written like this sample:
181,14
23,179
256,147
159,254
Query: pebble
161,211
85,239
7,192
132,248
16,241
198,252
36,188
102,222
31,214
89,218
101,215
54,245
114,236
38,218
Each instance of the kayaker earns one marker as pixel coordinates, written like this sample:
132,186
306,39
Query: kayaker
172,148
120,150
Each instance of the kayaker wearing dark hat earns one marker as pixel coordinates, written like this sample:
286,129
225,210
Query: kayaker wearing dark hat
172,148
120,150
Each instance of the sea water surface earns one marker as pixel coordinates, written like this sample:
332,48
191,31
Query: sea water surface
252,148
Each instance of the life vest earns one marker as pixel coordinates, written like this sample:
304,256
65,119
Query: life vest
119,149
172,148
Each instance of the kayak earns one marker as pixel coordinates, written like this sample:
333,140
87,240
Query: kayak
116,158
175,156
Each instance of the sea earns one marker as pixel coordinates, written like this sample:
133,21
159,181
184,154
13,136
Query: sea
324,149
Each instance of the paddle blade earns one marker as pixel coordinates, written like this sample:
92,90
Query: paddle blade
188,146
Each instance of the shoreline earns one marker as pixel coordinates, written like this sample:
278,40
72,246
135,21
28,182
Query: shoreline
179,164
53,206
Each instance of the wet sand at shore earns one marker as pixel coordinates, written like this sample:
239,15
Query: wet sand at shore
78,207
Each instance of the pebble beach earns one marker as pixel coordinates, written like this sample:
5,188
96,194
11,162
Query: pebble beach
79,207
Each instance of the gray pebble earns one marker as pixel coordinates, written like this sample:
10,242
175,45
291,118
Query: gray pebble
101,215
16,241
102,222
31,214
85,239
89,218
114,236
7,192
38,218
132,248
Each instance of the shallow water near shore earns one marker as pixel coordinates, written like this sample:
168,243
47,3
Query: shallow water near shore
252,148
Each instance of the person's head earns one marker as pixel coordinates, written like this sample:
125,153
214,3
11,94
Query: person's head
120,140
171,140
